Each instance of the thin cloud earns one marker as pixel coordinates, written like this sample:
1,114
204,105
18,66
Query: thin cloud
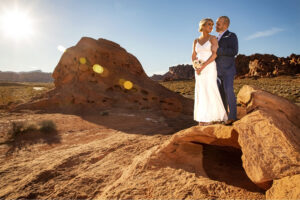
265,33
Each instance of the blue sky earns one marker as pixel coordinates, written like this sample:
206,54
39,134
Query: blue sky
159,33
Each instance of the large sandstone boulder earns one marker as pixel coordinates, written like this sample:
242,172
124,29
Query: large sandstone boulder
253,98
98,74
270,144
268,137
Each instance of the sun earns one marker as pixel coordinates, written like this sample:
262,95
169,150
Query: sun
16,24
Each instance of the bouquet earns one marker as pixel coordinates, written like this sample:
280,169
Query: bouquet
197,64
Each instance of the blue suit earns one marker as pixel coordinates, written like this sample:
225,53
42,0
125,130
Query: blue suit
228,49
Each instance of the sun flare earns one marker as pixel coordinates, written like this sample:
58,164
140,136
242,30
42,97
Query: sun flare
16,24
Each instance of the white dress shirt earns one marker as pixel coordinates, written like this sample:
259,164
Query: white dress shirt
221,34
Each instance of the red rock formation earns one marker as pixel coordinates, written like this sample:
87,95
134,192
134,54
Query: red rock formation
97,74
256,65
179,72
268,137
266,65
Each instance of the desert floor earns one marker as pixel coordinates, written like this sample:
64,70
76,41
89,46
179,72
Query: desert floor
109,155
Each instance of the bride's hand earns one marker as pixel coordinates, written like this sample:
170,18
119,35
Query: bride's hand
195,64
202,66
198,70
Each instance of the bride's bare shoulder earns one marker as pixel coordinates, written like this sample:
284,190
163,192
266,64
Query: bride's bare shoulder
212,37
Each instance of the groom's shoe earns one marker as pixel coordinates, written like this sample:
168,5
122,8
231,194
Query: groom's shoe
229,122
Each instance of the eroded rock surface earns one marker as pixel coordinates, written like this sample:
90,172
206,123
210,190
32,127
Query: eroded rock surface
97,74
267,136
285,188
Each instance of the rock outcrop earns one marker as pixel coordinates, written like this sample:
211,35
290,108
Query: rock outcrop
268,137
252,98
266,65
99,74
179,72
256,65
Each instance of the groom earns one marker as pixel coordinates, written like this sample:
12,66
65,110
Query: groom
228,49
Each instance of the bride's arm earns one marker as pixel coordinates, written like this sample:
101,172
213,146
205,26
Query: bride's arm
194,55
214,48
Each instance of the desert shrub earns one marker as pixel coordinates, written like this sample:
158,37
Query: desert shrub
44,126
22,127
47,126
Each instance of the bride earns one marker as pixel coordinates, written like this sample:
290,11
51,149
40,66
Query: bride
208,105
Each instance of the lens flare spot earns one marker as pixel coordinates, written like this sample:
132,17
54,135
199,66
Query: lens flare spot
82,60
128,85
98,68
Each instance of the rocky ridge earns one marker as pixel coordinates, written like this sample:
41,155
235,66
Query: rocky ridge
256,65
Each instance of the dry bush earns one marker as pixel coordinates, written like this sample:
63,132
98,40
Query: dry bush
47,126
18,128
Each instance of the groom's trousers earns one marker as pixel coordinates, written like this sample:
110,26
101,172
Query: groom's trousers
227,94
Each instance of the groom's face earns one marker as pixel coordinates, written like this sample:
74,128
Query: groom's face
220,25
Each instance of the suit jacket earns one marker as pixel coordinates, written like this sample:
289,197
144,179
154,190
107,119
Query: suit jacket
228,49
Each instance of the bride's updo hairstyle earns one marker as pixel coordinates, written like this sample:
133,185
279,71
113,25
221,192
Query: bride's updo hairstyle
203,22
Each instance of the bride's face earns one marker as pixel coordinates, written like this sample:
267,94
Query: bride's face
208,26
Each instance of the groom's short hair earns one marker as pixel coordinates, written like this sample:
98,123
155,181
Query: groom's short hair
226,19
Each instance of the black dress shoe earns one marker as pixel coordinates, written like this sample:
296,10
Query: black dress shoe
229,122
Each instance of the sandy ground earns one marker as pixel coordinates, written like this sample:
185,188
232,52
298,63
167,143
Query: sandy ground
109,157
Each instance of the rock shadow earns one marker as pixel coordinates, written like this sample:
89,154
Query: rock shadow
225,164
141,124
134,121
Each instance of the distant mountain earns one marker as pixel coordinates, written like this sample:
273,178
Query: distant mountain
256,65
32,76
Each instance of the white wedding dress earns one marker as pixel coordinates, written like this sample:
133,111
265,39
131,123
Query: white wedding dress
208,105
